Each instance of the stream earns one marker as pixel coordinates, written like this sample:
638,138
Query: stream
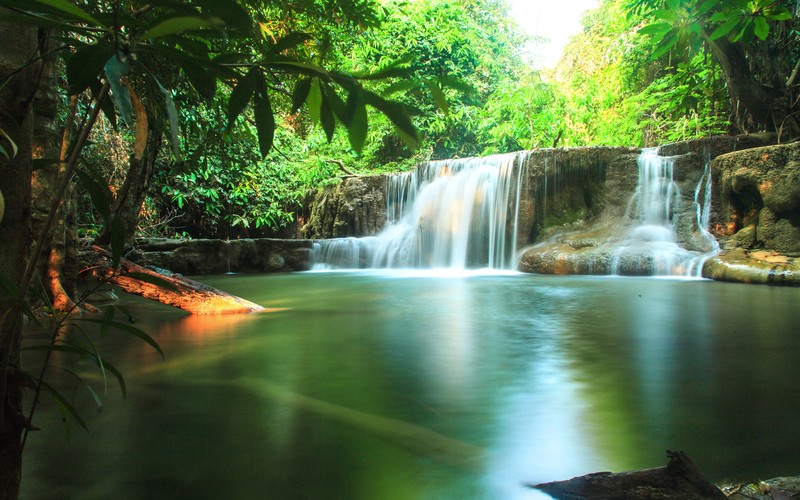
431,385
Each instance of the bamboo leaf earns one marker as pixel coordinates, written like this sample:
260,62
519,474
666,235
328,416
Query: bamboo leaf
98,193
300,94
359,125
265,122
14,148
314,101
179,25
240,96
70,9
438,96
64,404
326,118
656,29
117,228
399,117
290,41
129,329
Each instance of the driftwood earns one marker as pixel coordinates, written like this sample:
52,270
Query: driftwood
679,479
180,292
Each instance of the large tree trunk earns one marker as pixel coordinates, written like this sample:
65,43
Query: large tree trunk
17,48
171,289
757,107
51,146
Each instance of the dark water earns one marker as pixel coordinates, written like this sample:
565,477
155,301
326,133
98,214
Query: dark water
389,386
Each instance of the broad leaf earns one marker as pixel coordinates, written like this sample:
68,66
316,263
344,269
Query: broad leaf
761,28
656,29
725,28
399,117
290,41
86,65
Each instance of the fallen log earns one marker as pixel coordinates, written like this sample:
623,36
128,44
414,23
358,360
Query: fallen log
170,289
679,479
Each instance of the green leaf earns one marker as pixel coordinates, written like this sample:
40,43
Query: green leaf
86,65
98,192
314,101
359,125
665,46
399,117
706,6
115,68
14,148
240,96
761,28
265,122
64,404
438,96
300,94
337,105
725,28
290,41
202,78
130,330
70,9
326,117
179,25
656,29
117,228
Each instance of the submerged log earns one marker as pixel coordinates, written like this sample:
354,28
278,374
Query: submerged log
170,289
679,479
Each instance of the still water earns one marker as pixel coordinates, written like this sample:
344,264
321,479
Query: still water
378,385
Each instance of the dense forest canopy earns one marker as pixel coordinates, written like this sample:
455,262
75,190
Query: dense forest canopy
214,118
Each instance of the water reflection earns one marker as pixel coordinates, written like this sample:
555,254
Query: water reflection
372,385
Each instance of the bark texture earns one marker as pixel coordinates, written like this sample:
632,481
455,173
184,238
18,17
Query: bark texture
183,293
17,48
679,479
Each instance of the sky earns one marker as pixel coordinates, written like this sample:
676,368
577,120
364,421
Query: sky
555,20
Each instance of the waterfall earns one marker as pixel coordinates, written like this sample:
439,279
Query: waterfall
651,246
457,214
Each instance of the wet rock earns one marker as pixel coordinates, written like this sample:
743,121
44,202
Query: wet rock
760,187
199,257
354,207
743,266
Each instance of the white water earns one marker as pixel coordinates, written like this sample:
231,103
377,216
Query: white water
455,214
463,214
652,246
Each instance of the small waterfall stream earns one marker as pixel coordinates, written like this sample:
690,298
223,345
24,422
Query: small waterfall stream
651,246
455,214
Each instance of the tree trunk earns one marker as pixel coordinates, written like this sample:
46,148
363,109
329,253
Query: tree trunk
129,197
757,108
51,146
180,292
17,49
679,479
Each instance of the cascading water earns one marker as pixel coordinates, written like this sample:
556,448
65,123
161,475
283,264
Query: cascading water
455,214
652,246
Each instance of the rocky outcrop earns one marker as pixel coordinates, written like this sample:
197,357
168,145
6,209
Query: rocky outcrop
759,199
198,257
354,207
600,243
